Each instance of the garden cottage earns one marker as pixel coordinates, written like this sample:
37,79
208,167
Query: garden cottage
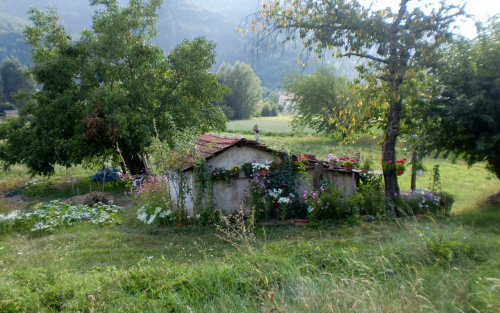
224,153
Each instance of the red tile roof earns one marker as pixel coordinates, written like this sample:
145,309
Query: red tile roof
209,145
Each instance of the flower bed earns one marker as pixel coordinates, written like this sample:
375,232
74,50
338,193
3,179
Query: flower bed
426,202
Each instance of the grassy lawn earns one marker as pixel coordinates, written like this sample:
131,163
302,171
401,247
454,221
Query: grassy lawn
427,265
269,126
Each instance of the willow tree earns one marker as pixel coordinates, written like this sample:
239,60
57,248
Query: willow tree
392,43
110,89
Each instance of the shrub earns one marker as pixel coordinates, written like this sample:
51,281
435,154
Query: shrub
350,206
445,202
323,203
373,200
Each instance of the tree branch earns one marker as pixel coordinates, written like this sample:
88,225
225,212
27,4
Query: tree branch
366,56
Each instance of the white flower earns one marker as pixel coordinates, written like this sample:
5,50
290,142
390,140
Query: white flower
283,200
275,193
265,165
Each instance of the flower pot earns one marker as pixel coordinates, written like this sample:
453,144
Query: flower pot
364,170
248,172
299,221
349,168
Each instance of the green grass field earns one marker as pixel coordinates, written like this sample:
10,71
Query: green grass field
447,264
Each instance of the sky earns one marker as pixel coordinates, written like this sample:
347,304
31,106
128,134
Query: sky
480,9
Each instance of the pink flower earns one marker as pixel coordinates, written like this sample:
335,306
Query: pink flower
118,150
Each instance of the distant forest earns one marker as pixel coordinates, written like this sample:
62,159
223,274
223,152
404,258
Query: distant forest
217,20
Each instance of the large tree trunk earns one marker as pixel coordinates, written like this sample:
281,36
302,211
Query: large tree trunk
135,164
389,150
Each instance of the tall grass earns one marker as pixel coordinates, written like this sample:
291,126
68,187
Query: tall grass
426,266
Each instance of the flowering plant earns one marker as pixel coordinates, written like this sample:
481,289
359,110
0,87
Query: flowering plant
348,163
154,195
221,174
301,164
425,202
323,202
258,166
235,171
333,159
273,196
390,165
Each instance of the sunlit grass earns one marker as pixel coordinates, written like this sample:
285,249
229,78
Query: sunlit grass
273,125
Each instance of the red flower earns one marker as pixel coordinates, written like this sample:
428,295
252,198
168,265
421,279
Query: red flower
382,159
400,172
390,161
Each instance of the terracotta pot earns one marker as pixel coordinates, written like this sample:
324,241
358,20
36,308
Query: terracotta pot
299,221
349,168
263,171
365,170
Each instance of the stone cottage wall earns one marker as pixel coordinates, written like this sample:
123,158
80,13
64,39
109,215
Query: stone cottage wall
229,197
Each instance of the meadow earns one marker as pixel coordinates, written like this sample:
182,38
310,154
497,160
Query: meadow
432,264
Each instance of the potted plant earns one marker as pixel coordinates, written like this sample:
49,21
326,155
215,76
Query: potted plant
333,161
247,168
235,171
366,165
348,164
261,167
390,166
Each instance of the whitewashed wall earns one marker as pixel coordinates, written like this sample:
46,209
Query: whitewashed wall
229,197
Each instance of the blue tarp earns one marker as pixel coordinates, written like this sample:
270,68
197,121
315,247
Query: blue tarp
113,174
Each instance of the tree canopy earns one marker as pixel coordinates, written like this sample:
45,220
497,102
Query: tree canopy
319,99
13,78
110,89
393,43
466,106
246,90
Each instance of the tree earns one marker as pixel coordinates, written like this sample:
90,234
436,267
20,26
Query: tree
111,89
13,78
319,98
245,86
269,108
392,42
466,105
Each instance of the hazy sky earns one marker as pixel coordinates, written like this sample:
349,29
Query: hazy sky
481,9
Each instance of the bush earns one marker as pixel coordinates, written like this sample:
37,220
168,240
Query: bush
373,200
324,202
445,202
